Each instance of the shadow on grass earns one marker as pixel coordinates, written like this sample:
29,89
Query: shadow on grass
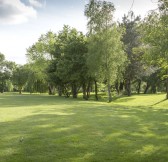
159,102
87,133
124,99
11,101
24,100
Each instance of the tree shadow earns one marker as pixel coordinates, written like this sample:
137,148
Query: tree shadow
159,102
124,99
10,101
86,133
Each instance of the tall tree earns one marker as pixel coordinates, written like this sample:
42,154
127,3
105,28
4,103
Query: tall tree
131,41
155,35
105,46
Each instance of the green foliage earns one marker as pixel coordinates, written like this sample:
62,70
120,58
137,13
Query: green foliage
70,57
155,35
6,69
104,45
134,67
72,61
163,5
106,49
2,58
99,15
39,56
20,77
43,49
66,64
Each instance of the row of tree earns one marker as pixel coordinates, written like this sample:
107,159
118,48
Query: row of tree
124,57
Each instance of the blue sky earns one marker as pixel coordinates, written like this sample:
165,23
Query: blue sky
23,21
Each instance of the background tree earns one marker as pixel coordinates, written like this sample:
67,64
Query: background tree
6,69
20,77
155,36
59,59
131,41
39,56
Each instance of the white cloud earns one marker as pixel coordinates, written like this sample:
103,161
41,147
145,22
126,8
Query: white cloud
15,12
36,3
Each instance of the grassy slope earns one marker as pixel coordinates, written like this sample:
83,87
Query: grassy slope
50,129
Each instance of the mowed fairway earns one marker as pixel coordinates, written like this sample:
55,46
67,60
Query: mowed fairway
39,128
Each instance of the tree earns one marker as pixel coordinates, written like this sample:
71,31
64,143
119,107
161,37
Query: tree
2,74
99,15
6,68
70,57
155,36
39,56
163,6
104,46
59,59
36,81
20,77
131,41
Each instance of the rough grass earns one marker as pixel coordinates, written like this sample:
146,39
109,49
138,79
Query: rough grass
36,128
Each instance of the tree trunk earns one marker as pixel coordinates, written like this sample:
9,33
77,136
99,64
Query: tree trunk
2,87
84,91
153,89
96,91
128,87
117,87
139,86
88,90
59,91
121,87
167,86
49,90
109,93
20,91
74,90
2,90
147,87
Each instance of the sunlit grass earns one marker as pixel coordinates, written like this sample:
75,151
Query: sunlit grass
157,100
41,128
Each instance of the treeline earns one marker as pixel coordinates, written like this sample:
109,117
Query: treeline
116,57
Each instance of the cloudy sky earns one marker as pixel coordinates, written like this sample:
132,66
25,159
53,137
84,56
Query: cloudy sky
23,21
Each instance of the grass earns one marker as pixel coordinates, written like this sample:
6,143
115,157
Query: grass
41,128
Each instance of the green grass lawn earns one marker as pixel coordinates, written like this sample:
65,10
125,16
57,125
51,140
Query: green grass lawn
39,128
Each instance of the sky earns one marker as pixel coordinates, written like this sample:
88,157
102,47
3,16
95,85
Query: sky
23,21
